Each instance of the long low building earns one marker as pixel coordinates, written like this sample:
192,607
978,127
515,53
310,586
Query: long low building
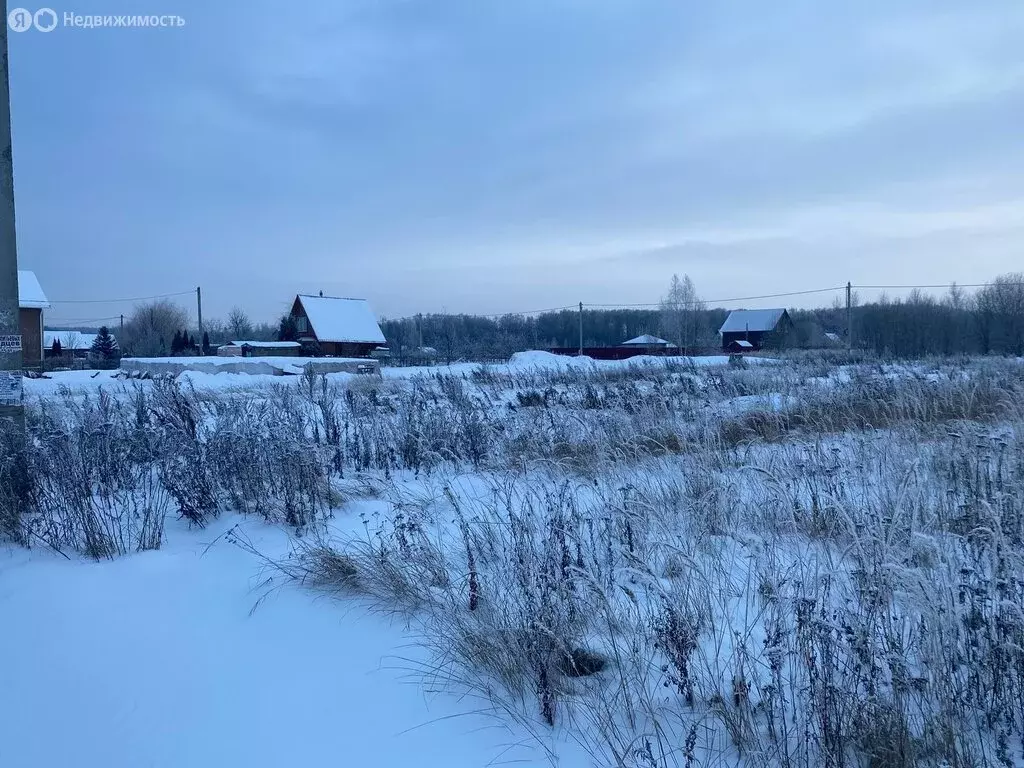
72,343
260,349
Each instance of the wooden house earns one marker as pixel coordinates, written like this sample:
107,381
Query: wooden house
336,327
760,328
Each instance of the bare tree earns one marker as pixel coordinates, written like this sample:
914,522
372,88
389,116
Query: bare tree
70,341
681,312
150,327
239,324
216,330
1000,312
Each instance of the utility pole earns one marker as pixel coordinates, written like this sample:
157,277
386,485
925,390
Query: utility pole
122,325
849,317
10,306
199,305
581,329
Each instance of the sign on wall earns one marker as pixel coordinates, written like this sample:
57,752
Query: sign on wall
10,388
10,344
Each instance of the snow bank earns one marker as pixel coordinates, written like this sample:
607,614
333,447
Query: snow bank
547,361
190,658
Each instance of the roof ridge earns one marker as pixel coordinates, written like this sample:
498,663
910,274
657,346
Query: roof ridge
338,298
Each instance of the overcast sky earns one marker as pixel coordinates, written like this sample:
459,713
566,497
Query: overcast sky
490,156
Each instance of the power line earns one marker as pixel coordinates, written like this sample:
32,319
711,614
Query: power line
121,301
727,301
531,312
945,285
83,320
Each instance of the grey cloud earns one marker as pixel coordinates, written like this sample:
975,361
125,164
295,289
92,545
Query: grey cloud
473,154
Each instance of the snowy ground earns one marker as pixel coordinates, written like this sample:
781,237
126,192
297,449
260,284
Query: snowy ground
80,382
723,538
190,657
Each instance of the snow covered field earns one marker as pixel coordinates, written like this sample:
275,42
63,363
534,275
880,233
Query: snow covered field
193,656
657,562
90,381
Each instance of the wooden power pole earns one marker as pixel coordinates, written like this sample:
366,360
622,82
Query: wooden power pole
581,329
199,309
849,317
10,310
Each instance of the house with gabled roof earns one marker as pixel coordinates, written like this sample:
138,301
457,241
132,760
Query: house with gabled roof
760,328
338,327
647,340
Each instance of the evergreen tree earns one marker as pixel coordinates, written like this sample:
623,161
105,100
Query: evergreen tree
56,348
104,346
176,344
206,343
287,331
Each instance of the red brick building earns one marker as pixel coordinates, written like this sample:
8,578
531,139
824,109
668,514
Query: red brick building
31,303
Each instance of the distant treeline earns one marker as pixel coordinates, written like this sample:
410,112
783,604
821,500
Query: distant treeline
990,320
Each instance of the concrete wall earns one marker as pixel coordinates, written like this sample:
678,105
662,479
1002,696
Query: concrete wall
272,366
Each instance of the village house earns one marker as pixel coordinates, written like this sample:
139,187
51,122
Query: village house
651,345
72,344
759,328
337,327
31,303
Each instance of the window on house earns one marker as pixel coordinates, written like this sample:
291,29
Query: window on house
301,324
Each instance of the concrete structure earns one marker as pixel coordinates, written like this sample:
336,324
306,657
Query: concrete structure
267,366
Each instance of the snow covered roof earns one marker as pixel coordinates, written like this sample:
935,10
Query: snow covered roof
647,341
740,320
742,344
833,337
342,320
265,344
69,339
30,293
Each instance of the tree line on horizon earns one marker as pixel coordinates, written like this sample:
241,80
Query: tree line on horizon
988,320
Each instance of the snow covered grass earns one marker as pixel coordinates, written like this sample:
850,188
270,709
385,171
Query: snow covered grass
675,564
814,605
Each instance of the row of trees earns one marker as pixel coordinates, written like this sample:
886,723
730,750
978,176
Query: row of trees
162,328
103,350
990,320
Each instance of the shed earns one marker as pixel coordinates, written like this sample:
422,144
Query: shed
759,327
740,346
340,327
261,349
